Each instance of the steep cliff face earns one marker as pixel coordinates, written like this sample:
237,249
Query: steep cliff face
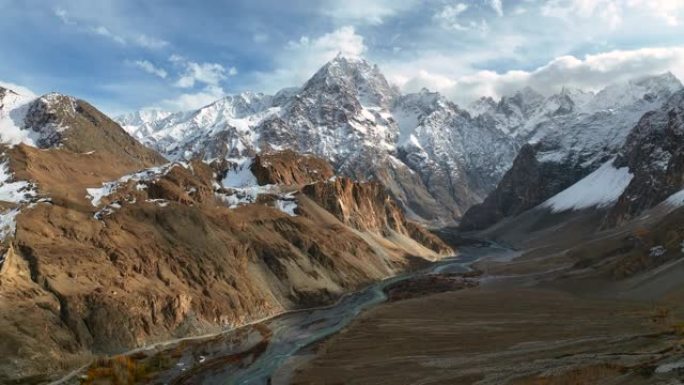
368,206
654,154
527,184
104,261
289,168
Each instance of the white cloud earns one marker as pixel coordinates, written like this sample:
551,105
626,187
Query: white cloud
448,17
668,10
300,59
194,100
344,41
150,42
63,15
497,6
367,11
206,77
104,31
210,74
21,90
150,68
140,40
425,79
591,72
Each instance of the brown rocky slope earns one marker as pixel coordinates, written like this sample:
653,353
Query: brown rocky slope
161,255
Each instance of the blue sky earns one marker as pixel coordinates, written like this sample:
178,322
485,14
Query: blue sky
124,54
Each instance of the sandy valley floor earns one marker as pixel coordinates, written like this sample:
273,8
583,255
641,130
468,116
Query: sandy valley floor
502,335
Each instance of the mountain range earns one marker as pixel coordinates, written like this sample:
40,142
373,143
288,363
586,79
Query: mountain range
436,158
119,233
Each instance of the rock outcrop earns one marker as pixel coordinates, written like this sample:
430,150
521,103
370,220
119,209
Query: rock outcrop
289,168
527,184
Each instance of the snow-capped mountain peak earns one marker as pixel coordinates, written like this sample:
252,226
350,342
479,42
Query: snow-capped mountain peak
354,75
524,101
144,116
648,91
35,121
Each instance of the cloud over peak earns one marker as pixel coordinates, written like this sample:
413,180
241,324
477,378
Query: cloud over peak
591,72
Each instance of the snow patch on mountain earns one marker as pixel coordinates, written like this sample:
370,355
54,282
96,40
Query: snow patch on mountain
17,193
243,188
30,120
577,126
142,122
287,204
13,109
676,199
8,223
240,175
601,188
96,194
14,191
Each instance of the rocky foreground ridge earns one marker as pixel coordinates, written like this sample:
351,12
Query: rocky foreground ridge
107,246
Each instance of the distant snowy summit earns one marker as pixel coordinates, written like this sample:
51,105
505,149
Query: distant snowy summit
576,157
437,158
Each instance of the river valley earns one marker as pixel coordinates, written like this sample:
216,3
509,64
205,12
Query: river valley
268,352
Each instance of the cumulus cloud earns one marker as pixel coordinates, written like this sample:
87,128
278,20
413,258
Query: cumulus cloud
668,10
202,81
210,74
301,58
150,68
344,40
591,72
